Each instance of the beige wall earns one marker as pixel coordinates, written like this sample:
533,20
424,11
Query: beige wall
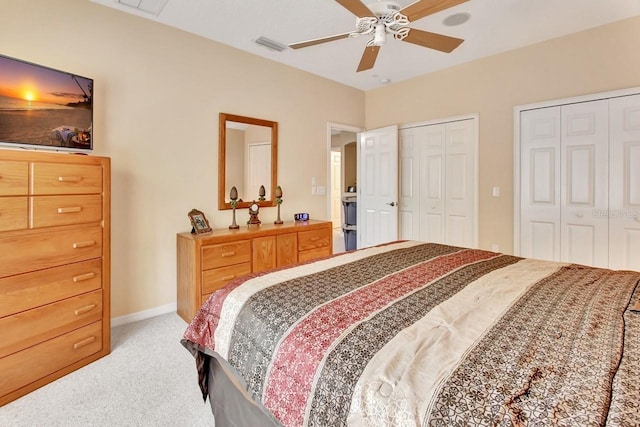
158,92
601,59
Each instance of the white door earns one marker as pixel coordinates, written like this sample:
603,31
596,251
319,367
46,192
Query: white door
460,182
336,188
409,192
624,192
258,170
432,182
540,188
585,183
377,213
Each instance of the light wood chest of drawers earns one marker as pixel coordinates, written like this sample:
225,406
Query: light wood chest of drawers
54,266
207,262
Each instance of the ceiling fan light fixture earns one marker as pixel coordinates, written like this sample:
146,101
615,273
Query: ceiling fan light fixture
380,35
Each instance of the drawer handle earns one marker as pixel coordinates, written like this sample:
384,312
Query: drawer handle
226,254
85,309
85,276
230,277
69,210
85,244
69,178
84,342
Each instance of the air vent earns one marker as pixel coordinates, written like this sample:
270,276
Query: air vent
153,7
270,44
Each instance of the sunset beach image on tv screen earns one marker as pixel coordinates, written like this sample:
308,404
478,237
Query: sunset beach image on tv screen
40,106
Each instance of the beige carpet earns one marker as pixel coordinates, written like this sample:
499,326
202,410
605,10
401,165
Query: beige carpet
149,379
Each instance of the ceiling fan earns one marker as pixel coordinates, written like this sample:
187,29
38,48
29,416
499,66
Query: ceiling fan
385,17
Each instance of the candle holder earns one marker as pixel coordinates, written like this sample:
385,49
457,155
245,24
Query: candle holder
234,204
278,203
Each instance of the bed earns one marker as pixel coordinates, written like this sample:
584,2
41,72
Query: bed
422,334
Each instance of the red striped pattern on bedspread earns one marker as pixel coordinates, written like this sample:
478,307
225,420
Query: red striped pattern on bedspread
300,353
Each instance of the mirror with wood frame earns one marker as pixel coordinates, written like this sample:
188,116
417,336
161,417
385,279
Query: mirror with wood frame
247,159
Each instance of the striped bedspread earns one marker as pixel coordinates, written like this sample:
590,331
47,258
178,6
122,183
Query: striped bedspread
417,334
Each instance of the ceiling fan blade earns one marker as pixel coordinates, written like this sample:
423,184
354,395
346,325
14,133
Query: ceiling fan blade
356,7
368,58
318,41
423,8
432,40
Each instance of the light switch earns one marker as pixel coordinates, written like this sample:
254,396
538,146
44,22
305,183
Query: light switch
496,191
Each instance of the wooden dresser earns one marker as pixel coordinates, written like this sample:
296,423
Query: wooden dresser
207,262
54,266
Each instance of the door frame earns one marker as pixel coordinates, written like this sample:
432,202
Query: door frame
516,143
342,127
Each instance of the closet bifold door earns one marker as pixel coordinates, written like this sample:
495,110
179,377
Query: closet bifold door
624,195
584,232
540,183
437,183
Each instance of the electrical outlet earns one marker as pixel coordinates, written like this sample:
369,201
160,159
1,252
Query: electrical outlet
495,247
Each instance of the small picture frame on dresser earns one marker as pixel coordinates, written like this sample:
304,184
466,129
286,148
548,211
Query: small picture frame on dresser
199,222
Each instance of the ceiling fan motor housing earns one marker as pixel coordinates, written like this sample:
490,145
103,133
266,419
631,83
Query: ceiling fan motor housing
384,7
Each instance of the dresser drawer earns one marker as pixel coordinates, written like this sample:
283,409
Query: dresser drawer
13,213
314,254
314,239
29,290
51,211
37,251
14,178
29,365
30,327
216,278
214,256
64,178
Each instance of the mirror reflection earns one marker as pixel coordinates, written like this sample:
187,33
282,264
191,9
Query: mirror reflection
247,160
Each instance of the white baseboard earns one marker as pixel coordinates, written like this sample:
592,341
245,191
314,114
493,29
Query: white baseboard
144,314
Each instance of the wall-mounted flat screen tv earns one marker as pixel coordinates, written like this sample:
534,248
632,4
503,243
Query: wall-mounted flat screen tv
41,107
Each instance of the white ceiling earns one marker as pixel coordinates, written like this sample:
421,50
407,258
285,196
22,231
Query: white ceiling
495,26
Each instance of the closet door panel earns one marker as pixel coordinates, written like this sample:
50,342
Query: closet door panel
540,184
432,183
409,209
585,183
543,238
624,198
460,188
432,225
